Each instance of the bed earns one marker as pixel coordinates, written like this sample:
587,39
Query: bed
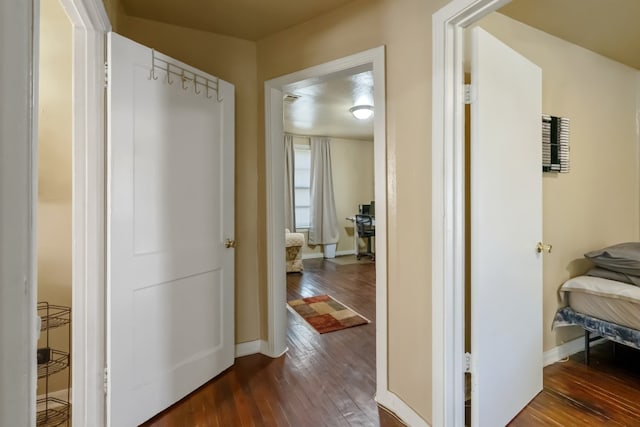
603,307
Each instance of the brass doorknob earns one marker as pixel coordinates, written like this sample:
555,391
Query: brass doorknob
541,247
230,243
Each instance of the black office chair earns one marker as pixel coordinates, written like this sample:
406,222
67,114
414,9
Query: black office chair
366,230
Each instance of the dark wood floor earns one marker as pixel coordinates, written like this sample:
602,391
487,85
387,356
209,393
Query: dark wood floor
605,393
323,380
329,380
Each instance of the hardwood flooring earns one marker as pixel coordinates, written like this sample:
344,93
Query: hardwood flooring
605,393
329,380
323,380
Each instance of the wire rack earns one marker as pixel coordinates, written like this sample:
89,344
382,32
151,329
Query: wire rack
52,412
58,361
53,316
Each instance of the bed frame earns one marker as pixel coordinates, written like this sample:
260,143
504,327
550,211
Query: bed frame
600,328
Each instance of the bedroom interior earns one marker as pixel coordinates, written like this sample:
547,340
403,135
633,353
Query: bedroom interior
315,114
324,109
580,212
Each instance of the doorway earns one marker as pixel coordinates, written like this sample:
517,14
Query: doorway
328,183
274,92
448,208
54,202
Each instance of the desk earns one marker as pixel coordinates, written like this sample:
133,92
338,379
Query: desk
356,238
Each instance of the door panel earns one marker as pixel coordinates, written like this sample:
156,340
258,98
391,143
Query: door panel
506,224
170,277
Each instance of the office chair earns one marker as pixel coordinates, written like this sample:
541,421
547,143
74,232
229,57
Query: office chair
366,230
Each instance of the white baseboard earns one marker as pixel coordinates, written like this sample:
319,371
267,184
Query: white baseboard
567,349
343,253
264,349
254,347
314,255
400,409
247,348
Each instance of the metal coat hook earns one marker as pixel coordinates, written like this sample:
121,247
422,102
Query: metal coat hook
169,75
185,76
184,79
152,73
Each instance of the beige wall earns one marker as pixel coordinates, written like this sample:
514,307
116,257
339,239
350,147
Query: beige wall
54,169
352,166
404,27
233,60
597,202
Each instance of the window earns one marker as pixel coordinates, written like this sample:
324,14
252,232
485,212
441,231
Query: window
302,184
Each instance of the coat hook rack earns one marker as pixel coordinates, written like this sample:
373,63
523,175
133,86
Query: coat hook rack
184,79
152,73
185,75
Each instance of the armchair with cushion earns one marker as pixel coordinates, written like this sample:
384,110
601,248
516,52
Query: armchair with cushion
293,244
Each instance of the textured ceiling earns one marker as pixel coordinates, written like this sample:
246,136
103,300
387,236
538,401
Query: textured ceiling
245,19
323,108
608,27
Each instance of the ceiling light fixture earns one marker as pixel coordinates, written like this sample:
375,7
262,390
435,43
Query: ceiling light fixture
361,112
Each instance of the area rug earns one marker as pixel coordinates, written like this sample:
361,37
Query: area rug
350,259
325,314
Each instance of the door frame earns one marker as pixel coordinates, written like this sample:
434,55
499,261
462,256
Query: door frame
90,25
19,328
373,59
448,207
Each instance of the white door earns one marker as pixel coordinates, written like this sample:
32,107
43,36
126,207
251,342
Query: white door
170,211
506,225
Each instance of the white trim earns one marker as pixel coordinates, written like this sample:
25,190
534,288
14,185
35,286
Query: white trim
448,191
567,349
314,255
345,253
274,159
371,59
18,201
90,25
400,409
249,347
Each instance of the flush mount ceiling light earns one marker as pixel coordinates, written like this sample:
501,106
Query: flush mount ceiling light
361,112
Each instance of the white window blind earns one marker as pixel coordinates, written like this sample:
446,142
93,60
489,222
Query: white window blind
302,184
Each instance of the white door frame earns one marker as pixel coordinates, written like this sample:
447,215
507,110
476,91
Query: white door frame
373,59
18,108
90,25
448,195
18,197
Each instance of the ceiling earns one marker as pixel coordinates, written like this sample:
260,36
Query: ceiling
607,27
245,19
322,108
